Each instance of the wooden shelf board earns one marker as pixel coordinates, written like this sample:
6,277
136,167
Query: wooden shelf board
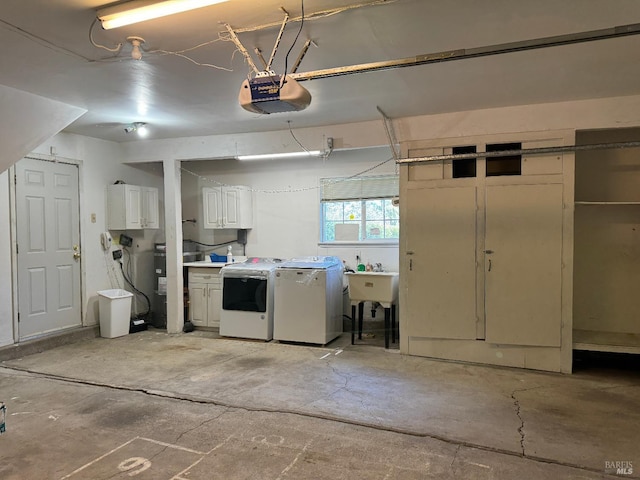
605,203
606,341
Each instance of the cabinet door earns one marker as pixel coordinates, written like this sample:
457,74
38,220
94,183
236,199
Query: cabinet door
198,304
231,208
214,305
133,207
523,264
441,258
150,215
212,207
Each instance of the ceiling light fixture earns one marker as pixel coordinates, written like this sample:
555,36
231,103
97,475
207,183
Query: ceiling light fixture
136,51
266,156
139,127
141,10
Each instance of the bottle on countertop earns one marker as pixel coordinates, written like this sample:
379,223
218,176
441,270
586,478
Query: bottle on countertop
229,254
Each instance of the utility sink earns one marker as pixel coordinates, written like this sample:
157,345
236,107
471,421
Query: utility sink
373,287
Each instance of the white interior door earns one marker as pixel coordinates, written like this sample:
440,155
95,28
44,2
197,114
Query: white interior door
48,234
523,264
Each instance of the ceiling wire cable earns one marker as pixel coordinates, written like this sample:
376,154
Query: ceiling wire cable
116,49
286,58
177,54
181,54
296,140
317,15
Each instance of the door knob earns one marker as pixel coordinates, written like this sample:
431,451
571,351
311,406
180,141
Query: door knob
76,255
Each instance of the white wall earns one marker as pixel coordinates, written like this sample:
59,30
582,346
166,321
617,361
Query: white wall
286,203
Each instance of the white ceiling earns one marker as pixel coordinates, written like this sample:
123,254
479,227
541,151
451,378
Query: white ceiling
46,50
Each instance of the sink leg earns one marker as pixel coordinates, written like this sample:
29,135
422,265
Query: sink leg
353,324
360,319
393,324
387,325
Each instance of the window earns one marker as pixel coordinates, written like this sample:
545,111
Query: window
359,209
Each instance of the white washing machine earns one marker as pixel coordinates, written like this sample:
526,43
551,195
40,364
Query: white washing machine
247,298
308,300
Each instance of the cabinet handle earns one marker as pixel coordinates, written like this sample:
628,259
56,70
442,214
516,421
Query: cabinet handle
489,265
411,264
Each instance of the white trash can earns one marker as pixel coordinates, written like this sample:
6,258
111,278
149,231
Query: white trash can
115,312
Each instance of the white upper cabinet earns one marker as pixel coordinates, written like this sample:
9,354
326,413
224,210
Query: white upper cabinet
132,207
227,207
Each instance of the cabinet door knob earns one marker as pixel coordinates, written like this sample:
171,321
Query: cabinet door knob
488,252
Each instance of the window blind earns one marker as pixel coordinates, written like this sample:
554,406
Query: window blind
359,188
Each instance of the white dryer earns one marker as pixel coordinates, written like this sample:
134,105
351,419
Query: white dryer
308,300
247,298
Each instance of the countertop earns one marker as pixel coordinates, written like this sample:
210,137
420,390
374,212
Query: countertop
209,264
206,264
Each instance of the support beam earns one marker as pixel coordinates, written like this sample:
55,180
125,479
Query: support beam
466,53
173,238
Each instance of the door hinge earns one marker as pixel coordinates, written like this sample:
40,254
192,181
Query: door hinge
17,249
18,317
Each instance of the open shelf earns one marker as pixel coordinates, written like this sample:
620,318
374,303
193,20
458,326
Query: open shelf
580,202
606,341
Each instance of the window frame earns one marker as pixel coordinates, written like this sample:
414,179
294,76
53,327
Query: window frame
386,186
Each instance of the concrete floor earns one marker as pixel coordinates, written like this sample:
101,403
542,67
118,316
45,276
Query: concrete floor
193,406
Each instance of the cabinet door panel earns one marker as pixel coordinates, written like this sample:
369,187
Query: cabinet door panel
441,224
212,207
231,216
133,206
214,305
198,305
150,210
523,277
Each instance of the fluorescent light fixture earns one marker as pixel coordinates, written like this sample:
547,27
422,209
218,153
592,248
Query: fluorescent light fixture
142,10
267,156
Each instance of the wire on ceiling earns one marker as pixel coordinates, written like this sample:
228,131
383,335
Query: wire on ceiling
317,15
115,49
286,58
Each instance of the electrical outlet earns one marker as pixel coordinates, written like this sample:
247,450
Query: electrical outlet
117,254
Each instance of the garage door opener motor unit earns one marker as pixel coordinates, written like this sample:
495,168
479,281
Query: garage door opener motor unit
269,93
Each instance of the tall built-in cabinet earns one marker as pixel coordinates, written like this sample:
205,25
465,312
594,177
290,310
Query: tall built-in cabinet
132,207
227,207
485,252
607,243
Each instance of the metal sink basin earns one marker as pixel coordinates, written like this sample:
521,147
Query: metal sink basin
373,286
